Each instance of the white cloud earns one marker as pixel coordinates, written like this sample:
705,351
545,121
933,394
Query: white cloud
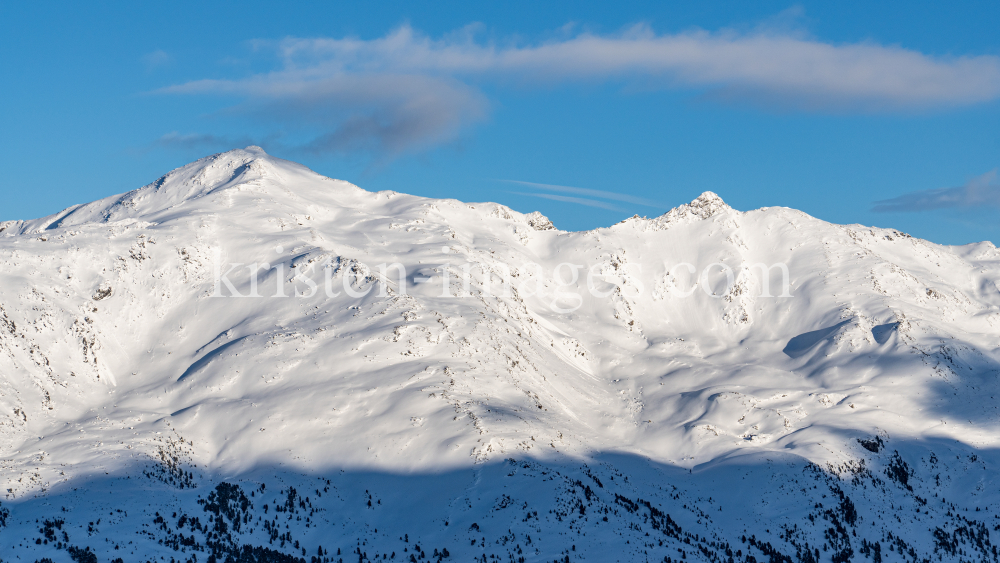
577,200
387,114
603,194
406,91
982,191
157,58
762,65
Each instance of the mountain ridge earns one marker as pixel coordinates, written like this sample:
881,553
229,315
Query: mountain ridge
240,161
502,348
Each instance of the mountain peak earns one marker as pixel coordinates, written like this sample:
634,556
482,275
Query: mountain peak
704,206
708,198
234,168
230,158
707,204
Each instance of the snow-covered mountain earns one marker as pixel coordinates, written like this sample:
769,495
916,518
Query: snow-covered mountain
427,379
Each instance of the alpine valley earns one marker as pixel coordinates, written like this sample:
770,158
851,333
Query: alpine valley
245,361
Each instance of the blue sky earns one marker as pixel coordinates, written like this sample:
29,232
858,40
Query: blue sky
884,114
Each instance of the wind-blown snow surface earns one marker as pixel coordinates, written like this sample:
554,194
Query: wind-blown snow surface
144,417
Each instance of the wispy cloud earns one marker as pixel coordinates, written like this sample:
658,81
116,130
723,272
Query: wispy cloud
571,199
382,114
175,140
156,58
407,91
613,196
779,66
982,191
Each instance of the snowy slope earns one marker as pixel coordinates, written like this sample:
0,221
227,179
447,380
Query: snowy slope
608,418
